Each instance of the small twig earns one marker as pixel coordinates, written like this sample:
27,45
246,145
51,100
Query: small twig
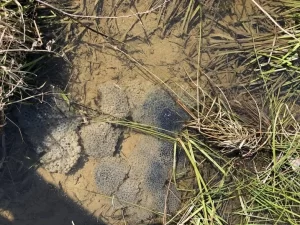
40,42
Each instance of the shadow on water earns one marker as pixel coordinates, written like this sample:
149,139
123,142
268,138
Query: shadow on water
27,199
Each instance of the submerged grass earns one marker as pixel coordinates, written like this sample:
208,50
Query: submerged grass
269,193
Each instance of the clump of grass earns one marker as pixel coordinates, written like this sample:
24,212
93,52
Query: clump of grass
24,41
267,193
13,38
19,35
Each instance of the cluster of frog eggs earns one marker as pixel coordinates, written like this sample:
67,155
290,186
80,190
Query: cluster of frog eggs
137,178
